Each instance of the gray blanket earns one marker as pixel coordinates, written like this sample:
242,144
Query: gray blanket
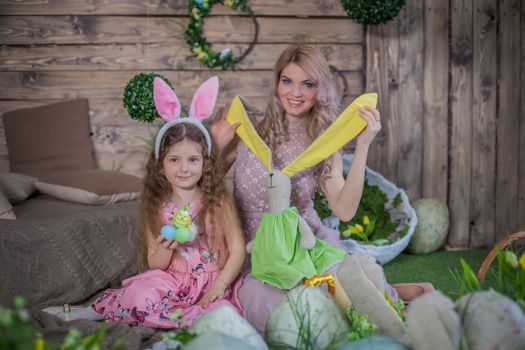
59,252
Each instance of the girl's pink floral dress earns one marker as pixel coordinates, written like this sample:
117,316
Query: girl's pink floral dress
149,298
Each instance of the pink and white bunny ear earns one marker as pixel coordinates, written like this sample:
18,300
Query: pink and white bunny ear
166,101
204,99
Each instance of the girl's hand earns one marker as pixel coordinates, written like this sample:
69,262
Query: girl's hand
372,117
222,132
216,292
168,244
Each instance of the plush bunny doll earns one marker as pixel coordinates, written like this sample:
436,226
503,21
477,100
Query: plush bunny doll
285,251
169,108
279,189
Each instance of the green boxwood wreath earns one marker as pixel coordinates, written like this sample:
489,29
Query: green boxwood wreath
372,11
138,97
201,47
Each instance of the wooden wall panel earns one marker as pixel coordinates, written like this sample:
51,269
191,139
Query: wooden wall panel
508,130
382,155
382,77
484,99
395,70
435,113
54,50
461,113
473,122
30,85
131,163
166,56
521,154
410,79
20,30
300,8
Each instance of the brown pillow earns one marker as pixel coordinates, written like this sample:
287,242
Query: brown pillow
54,137
90,186
17,187
6,209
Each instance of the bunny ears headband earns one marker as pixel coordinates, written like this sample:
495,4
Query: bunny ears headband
169,108
347,126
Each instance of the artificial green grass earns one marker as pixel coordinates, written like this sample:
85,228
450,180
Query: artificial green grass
436,269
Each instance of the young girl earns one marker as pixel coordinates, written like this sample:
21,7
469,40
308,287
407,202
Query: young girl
302,105
184,278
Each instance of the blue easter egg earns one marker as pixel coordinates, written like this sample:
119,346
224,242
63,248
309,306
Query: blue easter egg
168,231
183,235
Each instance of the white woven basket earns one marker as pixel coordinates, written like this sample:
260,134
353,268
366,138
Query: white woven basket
404,214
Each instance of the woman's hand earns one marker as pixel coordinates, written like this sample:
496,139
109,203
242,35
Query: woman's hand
222,132
216,292
372,117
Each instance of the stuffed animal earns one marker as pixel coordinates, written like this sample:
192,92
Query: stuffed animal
363,280
300,254
183,229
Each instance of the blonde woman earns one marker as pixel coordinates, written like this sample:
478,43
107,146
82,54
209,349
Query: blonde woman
302,105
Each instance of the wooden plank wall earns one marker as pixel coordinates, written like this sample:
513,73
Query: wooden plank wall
454,125
450,75
64,49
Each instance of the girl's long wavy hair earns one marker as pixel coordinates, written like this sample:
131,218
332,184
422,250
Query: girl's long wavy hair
157,191
274,127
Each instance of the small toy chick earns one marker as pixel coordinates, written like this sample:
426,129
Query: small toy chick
182,230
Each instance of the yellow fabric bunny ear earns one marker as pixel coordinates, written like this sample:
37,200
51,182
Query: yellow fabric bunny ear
248,134
347,126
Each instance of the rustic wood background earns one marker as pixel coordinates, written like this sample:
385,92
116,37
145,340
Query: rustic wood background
450,75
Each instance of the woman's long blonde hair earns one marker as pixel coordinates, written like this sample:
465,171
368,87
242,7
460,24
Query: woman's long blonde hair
157,191
273,127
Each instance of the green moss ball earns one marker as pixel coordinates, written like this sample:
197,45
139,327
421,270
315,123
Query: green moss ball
432,226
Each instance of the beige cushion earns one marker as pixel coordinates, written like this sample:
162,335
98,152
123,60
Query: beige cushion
6,209
54,137
95,187
17,187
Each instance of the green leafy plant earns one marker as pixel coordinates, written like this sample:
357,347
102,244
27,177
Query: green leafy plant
372,11
173,340
138,97
509,276
372,222
75,341
17,332
360,325
321,206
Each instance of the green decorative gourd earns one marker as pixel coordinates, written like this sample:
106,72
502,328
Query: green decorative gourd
307,317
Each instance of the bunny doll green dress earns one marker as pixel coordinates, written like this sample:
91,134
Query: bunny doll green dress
287,263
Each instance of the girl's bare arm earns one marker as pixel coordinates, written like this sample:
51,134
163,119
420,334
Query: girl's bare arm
160,251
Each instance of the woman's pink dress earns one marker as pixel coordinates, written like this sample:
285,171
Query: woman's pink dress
150,298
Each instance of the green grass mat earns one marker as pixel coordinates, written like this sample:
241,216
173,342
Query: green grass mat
435,268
